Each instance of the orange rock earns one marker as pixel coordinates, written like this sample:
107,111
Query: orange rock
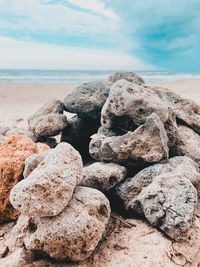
13,153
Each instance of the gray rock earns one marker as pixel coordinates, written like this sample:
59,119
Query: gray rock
48,125
188,144
71,235
103,176
186,111
163,194
87,100
2,138
32,162
78,132
4,129
129,76
132,100
147,143
49,187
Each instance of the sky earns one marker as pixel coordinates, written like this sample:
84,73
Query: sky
100,34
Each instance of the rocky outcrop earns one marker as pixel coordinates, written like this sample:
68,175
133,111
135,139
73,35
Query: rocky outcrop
60,170
135,101
148,143
48,120
129,76
71,235
164,195
13,153
103,176
87,100
186,111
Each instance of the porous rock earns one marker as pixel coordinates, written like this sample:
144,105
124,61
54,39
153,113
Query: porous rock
186,111
147,143
129,76
164,195
71,235
49,187
32,162
132,100
13,153
87,100
103,176
188,143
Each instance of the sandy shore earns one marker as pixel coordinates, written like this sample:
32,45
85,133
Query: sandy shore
18,101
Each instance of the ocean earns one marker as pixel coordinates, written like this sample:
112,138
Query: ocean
80,76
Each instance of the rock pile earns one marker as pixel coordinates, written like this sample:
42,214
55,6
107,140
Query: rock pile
146,144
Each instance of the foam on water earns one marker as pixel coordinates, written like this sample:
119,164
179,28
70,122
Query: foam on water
80,76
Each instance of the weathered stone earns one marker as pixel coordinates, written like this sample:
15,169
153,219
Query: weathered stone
186,111
129,76
4,129
147,143
13,153
132,100
164,195
2,138
103,176
87,100
188,144
71,235
49,187
32,162
78,132
48,125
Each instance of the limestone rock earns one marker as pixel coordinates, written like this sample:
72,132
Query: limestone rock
49,187
163,194
13,153
132,100
147,143
87,100
71,235
129,76
103,176
32,162
3,129
48,125
186,111
78,132
188,144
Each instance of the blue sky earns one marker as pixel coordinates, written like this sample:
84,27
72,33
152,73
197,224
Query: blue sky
100,34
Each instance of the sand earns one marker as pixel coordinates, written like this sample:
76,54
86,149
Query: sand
134,245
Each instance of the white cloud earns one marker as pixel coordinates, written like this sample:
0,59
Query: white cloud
97,6
22,54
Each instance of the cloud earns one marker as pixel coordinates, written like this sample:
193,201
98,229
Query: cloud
24,54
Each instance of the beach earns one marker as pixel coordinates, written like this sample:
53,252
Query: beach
20,100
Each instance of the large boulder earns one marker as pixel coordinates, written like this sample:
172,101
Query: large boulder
148,143
71,235
87,100
188,143
49,187
129,76
186,111
132,100
103,176
78,132
164,195
48,120
13,153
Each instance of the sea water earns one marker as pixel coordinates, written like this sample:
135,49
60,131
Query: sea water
80,76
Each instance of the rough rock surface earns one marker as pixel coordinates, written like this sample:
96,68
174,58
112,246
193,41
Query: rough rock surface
188,144
71,235
48,120
147,143
187,111
163,194
103,176
32,162
13,153
2,138
78,132
87,100
129,76
132,100
49,187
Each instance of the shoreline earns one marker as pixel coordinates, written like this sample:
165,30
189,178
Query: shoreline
20,100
